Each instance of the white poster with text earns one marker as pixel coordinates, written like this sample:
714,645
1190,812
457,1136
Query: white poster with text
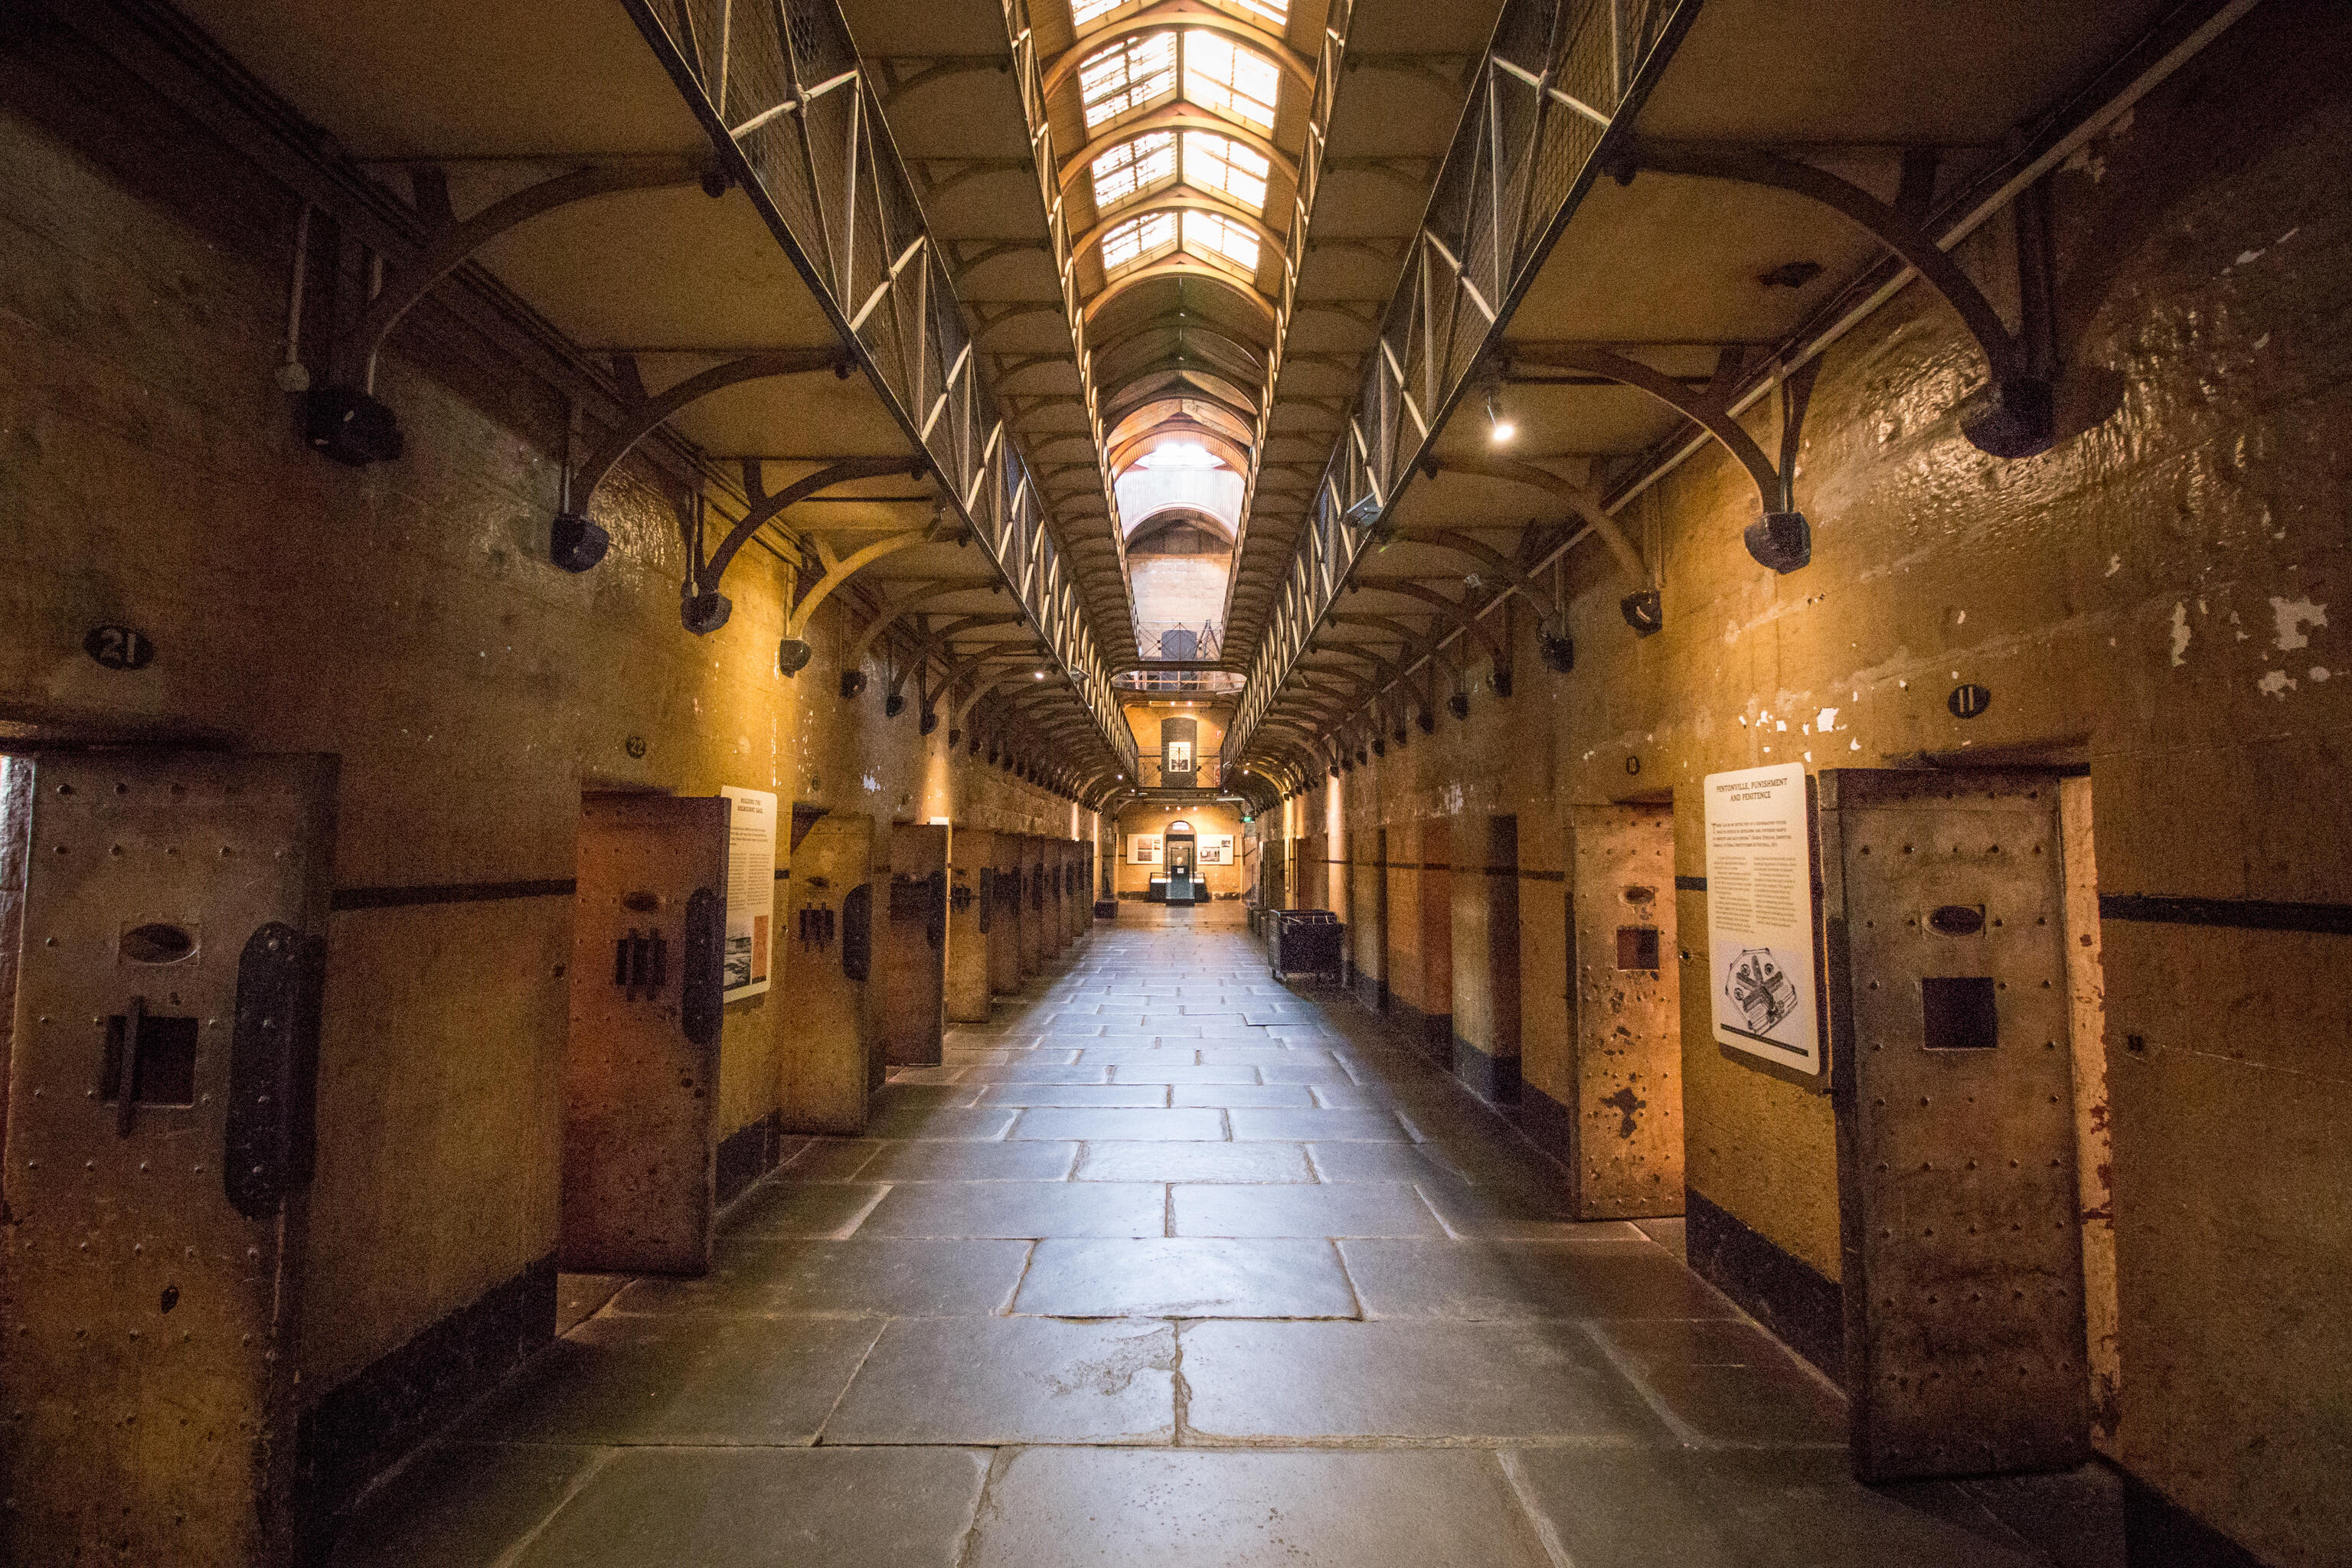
1143,849
1759,916
751,890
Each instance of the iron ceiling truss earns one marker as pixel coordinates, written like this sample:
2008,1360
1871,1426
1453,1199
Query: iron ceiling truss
1559,80
795,120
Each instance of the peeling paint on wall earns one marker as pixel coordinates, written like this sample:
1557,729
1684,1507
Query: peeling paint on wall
2290,616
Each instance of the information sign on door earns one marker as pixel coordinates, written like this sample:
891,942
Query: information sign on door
1759,917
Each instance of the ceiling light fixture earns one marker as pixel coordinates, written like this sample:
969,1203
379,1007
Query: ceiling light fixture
1500,427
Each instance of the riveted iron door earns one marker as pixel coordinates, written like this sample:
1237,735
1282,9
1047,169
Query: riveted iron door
641,1073
1943,907
827,1042
159,1149
1625,1013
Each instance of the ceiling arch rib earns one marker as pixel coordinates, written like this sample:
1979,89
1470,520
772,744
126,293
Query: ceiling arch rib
1189,136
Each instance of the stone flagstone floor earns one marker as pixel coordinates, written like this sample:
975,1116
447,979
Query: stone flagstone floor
1171,1265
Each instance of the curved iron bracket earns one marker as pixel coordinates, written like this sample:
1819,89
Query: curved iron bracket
1780,538
342,418
928,637
1581,499
1457,613
705,609
852,678
576,543
2018,420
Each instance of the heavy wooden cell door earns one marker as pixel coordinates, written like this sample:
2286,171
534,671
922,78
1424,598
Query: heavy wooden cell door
641,1072
915,967
830,1043
1624,1014
1944,913
159,1142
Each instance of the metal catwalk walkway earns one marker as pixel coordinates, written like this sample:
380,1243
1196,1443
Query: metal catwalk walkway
1170,1265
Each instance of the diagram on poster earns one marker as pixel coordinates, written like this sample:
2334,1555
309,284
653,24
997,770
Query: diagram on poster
1759,916
1216,849
751,890
1143,849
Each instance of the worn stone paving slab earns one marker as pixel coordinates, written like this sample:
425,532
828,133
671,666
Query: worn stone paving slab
1733,1509
824,1209
1192,1125
1282,1096
1317,1381
962,1094
1180,1161
1344,1162
954,1162
1305,1071
1514,1212
1215,1055
1319,1126
775,1507
1116,1096
1613,1273
1096,1508
465,1505
1177,1072
877,1276
915,1122
633,1379
1013,1380
1361,1210
1185,1277
1039,1072
830,1160
1021,1209
1726,1381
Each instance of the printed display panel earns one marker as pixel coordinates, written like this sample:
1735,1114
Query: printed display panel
1759,917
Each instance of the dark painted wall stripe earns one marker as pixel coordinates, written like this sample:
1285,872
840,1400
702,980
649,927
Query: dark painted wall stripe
449,893
2241,914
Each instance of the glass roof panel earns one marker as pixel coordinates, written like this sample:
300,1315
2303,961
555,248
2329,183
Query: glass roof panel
1127,75
1133,166
1213,234
1222,164
1137,238
1230,78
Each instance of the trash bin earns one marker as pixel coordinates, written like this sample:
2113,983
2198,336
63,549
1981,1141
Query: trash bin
1306,941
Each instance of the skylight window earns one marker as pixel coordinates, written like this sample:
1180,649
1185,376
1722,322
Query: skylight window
1209,233
1085,12
1179,454
1127,75
1134,166
1229,78
1222,164
1275,11
1137,238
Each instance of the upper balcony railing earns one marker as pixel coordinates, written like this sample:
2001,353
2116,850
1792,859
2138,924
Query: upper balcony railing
1559,80
1177,639
785,98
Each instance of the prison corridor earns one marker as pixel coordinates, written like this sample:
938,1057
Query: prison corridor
1169,1264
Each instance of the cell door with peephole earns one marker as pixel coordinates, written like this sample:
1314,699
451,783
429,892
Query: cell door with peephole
161,1074
1943,911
